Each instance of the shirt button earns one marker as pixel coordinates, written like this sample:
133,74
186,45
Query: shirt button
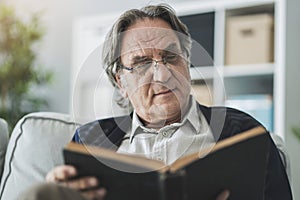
165,134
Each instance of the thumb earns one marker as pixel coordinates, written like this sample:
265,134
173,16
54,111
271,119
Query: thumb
223,195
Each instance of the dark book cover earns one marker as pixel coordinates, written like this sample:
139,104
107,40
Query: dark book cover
237,164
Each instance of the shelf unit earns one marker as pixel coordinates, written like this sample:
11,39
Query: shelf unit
244,79
261,78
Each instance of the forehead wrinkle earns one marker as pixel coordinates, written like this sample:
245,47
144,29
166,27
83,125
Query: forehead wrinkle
145,43
151,45
151,51
147,36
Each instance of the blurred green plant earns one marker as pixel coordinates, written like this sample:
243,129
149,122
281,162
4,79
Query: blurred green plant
18,71
296,131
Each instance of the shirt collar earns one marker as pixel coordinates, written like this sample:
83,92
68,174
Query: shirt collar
192,116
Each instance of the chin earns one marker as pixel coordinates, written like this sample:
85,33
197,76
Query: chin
167,110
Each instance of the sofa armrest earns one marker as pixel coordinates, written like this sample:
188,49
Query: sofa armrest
34,148
283,153
3,142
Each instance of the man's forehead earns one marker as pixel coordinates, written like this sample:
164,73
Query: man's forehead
148,38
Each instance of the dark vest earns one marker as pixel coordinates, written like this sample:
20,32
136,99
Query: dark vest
224,122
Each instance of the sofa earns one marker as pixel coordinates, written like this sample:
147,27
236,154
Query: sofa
3,142
35,146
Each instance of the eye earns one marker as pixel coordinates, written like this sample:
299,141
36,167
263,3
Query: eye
142,64
171,58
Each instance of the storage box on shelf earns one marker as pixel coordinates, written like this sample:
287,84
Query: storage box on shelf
249,39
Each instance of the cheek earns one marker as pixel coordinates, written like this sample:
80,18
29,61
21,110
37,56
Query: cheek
128,84
137,91
140,99
183,80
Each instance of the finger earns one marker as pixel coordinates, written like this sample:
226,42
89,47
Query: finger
223,195
84,183
61,173
98,194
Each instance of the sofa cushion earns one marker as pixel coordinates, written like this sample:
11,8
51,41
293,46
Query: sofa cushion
280,144
34,148
3,142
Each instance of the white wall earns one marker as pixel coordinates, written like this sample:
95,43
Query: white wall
292,89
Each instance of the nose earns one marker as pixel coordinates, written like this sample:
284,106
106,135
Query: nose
161,72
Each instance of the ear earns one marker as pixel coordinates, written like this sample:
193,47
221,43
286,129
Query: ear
121,86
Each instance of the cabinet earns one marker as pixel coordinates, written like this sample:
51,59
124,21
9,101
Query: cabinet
223,84
254,87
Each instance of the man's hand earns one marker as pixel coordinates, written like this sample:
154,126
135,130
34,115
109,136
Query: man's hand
223,195
85,185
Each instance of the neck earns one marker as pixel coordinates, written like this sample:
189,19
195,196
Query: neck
157,122
161,123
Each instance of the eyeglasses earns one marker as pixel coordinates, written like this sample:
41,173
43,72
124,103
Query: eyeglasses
142,66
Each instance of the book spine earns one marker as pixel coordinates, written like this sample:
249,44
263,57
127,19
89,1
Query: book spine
173,186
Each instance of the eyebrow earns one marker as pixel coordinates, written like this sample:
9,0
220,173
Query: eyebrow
170,48
138,58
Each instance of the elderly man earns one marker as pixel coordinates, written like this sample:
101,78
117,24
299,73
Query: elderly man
146,56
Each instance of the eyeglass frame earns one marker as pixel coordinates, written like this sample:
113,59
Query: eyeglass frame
163,60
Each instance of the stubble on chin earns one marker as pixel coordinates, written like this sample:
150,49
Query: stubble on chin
161,115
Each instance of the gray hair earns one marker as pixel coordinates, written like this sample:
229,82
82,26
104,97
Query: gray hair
112,45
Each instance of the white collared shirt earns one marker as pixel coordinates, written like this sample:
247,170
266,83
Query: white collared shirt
170,142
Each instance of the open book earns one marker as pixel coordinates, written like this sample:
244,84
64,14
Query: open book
237,164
